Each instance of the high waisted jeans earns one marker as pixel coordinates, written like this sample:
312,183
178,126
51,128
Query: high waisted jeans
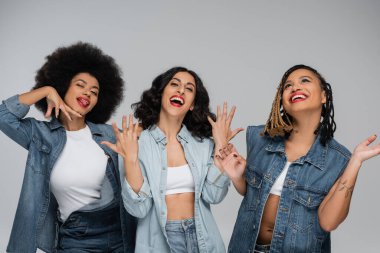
262,248
91,231
182,236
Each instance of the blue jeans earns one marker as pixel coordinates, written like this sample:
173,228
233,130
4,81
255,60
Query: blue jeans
262,248
182,236
91,231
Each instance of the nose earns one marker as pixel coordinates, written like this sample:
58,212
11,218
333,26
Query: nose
181,89
87,93
296,87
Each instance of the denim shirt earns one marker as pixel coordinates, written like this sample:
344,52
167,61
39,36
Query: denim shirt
149,204
308,181
35,221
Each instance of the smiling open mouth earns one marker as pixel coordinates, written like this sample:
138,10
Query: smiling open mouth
297,98
177,101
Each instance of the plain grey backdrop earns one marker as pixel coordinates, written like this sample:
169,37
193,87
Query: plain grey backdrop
239,48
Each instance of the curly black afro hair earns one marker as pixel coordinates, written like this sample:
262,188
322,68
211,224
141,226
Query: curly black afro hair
147,110
66,62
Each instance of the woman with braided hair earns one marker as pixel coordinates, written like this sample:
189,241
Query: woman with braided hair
297,180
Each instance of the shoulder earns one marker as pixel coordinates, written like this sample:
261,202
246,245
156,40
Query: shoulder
103,129
255,135
338,149
255,130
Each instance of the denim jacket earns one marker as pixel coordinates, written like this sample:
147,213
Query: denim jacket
35,222
149,204
307,182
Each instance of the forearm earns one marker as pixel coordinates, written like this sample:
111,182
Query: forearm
240,185
133,175
334,209
32,97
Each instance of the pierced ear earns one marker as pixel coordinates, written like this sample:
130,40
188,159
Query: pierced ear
191,108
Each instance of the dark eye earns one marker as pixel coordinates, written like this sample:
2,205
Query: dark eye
80,85
174,84
305,80
94,92
287,85
189,89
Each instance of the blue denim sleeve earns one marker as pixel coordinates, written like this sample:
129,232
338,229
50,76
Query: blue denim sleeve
137,204
12,123
216,183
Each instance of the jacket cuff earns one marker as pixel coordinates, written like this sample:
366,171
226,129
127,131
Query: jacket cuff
15,107
216,177
141,195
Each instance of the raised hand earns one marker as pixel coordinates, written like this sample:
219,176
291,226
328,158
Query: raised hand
54,101
233,165
231,162
221,128
126,141
364,152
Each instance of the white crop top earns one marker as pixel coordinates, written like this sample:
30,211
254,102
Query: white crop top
277,186
179,180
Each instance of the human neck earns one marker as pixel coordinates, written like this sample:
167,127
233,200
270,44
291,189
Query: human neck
170,126
304,129
73,125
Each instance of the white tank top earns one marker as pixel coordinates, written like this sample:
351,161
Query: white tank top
179,180
277,186
77,177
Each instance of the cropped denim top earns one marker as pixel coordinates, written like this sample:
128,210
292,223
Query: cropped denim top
307,182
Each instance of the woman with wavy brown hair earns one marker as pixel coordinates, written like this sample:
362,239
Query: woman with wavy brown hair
171,176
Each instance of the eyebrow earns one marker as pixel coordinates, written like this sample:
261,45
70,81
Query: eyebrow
306,76
300,78
94,86
181,81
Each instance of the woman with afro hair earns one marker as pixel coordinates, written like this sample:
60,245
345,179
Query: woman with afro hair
297,181
70,199
171,178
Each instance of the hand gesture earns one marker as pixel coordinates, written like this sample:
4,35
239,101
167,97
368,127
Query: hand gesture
221,128
364,152
231,162
126,141
54,101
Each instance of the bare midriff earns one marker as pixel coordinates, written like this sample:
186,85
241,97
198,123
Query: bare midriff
268,220
180,206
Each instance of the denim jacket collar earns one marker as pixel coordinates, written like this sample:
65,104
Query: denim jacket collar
94,128
160,137
316,155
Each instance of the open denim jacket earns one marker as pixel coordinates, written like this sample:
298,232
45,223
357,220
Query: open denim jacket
35,222
149,205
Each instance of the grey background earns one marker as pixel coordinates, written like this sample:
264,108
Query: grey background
239,48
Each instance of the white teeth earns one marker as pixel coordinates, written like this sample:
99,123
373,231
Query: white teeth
84,101
177,99
298,96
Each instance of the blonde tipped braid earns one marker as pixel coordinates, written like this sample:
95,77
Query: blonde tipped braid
276,125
